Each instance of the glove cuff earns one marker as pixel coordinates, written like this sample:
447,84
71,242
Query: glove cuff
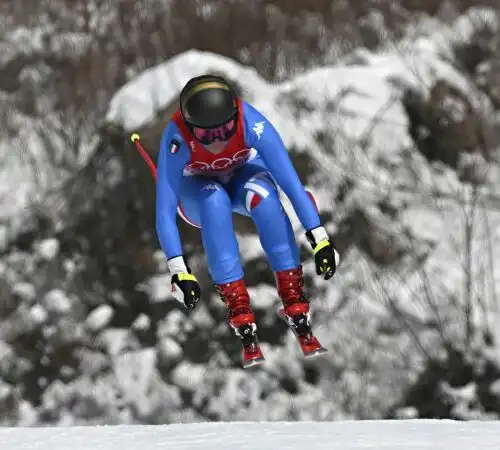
178,265
316,235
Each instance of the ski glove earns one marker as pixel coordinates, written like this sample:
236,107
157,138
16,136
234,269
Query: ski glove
185,286
326,256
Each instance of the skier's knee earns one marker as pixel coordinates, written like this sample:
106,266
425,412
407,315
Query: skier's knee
260,188
213,197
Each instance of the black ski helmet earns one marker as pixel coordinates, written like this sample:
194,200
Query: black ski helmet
208,101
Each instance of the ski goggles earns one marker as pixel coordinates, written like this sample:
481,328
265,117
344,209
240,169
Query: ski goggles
222,133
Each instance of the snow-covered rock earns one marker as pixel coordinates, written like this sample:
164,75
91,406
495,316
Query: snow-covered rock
406,413
201,318
57,301
169,351
24,290
118,341
142,386
4,239
12,366
141,323
189,376
48,248
39,314
495,389
175,324
99,318
159,288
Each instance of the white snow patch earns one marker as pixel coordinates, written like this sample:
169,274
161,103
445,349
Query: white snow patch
345,435
159,288
118,341
249,245
189,376
137,103
57,301
174,324
39,314
201,317
140,381
99,318
4,238
48,248
142,322
264,297
169,349
26,291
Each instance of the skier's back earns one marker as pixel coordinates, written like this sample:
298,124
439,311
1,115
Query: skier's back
220,155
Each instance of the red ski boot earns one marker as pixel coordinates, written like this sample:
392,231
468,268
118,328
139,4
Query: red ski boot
242,320
295,310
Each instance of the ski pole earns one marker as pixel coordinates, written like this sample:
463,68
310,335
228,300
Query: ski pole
136,139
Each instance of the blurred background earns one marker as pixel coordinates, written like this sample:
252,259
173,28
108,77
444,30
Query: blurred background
391,112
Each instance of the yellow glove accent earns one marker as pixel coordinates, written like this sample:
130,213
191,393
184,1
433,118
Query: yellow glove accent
321,245
187,277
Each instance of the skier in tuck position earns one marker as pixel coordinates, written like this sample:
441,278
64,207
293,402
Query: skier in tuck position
219,155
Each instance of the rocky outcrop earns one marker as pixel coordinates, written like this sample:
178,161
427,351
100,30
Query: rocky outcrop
445,124
89,332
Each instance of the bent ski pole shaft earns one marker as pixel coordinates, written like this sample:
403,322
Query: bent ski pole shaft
136,139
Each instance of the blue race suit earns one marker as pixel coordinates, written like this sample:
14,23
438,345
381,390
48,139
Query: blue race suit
206,188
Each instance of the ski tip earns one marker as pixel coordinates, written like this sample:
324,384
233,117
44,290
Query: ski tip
135,137
253,362
319,351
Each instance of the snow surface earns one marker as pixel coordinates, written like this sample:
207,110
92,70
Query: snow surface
351,435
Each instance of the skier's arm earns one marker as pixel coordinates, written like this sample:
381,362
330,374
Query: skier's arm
170,169
186,288
261,135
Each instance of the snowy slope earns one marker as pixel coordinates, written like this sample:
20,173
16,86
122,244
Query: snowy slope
383,435
33,148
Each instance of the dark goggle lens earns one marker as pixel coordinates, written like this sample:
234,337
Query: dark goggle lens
222,133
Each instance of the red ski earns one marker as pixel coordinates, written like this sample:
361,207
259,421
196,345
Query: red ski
309,344
252,356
